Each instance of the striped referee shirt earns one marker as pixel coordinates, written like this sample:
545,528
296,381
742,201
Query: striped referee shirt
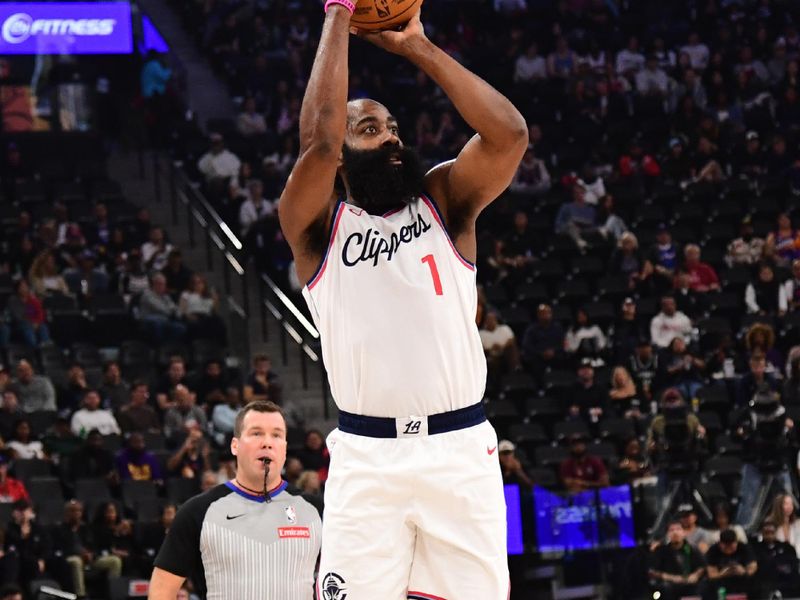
232,544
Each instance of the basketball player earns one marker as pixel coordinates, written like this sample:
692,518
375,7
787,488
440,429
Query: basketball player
414,504
248,538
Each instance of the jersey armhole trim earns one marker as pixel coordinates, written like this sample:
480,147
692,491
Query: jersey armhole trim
337,214
437,214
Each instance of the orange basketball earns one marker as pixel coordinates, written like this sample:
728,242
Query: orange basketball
383,14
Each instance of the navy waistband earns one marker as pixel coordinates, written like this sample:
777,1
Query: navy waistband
386,427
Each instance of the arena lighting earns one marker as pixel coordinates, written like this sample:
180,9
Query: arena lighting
65,28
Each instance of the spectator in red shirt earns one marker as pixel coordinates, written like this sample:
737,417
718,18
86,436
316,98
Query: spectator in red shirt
702,277
581,471
11,489
27,315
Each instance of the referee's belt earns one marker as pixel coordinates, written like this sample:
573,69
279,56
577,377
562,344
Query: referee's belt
412,426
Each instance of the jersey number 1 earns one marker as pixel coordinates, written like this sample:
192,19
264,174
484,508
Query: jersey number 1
437,283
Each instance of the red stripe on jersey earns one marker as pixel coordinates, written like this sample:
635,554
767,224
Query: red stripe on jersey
324,264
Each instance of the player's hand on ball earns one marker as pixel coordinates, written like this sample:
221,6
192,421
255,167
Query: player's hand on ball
396,41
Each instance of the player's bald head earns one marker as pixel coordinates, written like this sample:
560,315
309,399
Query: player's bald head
365,107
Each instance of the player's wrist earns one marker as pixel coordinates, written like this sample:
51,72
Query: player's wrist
349,6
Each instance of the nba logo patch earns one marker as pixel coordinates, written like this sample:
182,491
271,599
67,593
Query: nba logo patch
291,514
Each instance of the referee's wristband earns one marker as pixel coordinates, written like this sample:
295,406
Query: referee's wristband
346,3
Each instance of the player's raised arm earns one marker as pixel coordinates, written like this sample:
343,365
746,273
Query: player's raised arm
306,199
486,165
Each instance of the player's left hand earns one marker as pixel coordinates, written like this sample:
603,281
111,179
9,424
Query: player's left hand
402,42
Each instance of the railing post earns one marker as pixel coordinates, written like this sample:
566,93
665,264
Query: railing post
263,306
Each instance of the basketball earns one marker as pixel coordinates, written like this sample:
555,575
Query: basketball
373,15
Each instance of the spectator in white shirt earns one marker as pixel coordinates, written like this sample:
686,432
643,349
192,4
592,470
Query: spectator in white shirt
593,185
255,208
22,445
530,67
250,122
156,251
499,344
652,80
630,60
669,324
698,52
218,162
91,416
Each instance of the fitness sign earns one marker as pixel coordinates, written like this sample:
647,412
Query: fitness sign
65,28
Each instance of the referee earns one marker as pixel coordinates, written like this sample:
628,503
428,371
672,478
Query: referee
248,538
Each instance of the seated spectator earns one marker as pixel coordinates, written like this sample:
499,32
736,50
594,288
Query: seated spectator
689,302
756,378
71,395
543,341
751,160
645,368
135,462
262,383
622,395
199,307
530,68
223,417
191,459
760,339
250,122
314,455
698,537
137,415
499,345
11,489
791,288
611,225
155,251
706,162
630,59
702,275
676,567
132,279
178,276
255,207
592,184
511,466
35,392
159,313
784,516
562,61
112,536
212,385
532,176
10,413
627,331
151,539
59,443
72,539
669,324
576,218
722,522
781,245
218,163
86,280
92,417
634,463
27,315
766,295
731,565
21,445
309,484
26,544
44,276
114,390
100,230
93,460
586,399
175,375
652,81
681,369
522,243
629,261
677,165
581,471
184,417
747,249
583,337
777,563
664,258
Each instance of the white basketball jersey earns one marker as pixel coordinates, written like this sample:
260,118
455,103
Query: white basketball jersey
395,305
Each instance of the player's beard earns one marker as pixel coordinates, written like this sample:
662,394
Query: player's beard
376,184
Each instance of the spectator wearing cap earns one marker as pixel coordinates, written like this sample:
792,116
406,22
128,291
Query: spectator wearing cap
781,244
582,471
587,399
499,345
765,295
158,313
26,545
35,392
777,562
669,324
27,315
677,165
92,417
219,162
511,466
664,257
698,537
628,260
702,276
576,218
731,565
747,249
756,378
11,489
543,342
155,251
178,276
676,567
627,331
751,160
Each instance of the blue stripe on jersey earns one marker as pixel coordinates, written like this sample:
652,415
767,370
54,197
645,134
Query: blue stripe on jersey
254,498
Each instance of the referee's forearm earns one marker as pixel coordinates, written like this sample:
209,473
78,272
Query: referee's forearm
164,585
